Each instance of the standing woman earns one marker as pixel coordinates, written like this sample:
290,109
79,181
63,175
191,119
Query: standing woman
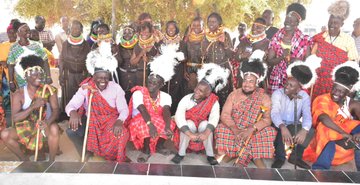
24,47
143,52
175,86
126,71
193,41
72,70
93,35
287,45
216,47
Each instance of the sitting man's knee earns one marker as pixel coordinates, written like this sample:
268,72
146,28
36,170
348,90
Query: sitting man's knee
5,135
54,129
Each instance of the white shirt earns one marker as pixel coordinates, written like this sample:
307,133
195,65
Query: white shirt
187,103
138,99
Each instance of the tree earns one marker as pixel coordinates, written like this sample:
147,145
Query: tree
182,11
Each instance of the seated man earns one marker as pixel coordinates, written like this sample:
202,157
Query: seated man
107,135
198,113
333,120
150,124
246,115
301,75
25,111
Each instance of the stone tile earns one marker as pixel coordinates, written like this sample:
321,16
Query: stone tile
165,169
197,171
330,176
65,167
296,175
354,176
263,174
132,168
230,172
98,167
32,167
8,166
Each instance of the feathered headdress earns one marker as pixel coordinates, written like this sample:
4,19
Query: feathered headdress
340,8
347,75
163,64
18,68
305,72
254,66
101,59
215,75
28,64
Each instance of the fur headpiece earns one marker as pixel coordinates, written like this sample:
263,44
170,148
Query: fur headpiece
305,72
340,8
28,64
101,59
347,75
298,9
163,64
254,66
215,75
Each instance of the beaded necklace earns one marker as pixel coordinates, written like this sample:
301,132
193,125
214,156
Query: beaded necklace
93,37
256,38
148,43
194,37
214,36
172,40
75,40
129,44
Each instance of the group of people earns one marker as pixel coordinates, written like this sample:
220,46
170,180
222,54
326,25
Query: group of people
270,93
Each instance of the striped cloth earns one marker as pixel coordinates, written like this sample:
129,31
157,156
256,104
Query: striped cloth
101,139
138,128
324,105
299,45
245,114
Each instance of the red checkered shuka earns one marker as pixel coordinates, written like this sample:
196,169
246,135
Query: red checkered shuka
101,139
299,44
138,128
331,57
197,114
245,114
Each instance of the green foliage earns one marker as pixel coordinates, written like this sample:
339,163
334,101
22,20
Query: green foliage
232,11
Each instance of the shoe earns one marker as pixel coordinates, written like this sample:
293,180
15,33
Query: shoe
212,160
177,159
278,163
300,163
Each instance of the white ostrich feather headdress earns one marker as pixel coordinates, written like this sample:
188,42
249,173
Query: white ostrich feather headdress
215,75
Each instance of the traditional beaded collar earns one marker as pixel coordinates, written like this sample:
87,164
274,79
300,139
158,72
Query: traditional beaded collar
172,40
194,37
214,36
75,40
256,38
129,44
148,43
93,37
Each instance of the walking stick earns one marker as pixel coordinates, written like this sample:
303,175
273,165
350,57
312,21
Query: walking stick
87,126
296,124
46,87
263,109
144,73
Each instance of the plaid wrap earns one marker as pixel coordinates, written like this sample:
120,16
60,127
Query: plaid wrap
245,114
331,57
324,104
101,139
46,36
299,44
26,129
138,128
197,114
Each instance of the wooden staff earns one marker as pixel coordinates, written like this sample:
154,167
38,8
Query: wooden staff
46,87
144,73
87,126
311,92
263,109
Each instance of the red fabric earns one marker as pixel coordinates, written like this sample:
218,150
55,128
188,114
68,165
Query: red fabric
197,114
101,139
138,128
331,57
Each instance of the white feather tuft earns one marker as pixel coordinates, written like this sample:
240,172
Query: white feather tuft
163,64
216,73
257,54
101,58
